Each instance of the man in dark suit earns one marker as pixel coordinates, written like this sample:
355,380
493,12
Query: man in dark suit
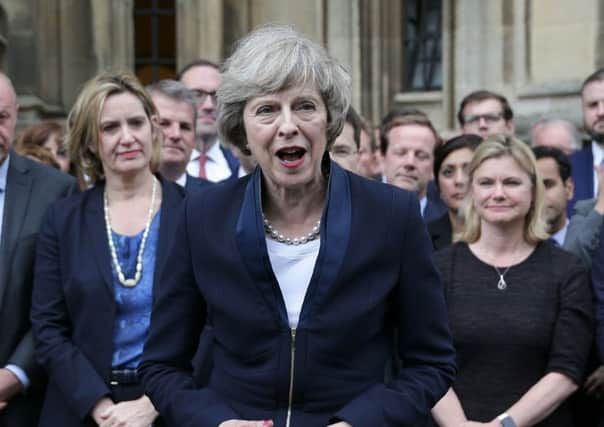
209,159
27,188
407,142
591,155
177,118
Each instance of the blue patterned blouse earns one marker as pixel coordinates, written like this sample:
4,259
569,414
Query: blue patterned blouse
133,305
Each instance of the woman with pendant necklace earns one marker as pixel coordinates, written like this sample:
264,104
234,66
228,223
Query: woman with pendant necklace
98,261
520,308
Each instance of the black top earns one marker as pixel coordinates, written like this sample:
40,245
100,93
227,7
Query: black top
441,232
507,340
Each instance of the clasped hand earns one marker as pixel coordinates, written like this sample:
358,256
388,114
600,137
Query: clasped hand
133,413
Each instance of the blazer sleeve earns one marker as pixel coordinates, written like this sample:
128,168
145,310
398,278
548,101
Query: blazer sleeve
177,319
424,341
66,365
583,232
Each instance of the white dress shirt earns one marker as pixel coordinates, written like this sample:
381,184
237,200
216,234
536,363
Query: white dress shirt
598,155
217,167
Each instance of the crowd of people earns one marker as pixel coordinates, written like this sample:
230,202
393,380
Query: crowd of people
240,248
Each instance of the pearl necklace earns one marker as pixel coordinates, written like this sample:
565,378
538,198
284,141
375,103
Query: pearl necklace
129,283
276,235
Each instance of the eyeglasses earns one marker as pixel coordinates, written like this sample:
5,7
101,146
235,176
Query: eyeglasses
201,95
489,118
343,152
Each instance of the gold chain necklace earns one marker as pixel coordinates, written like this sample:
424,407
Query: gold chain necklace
129,283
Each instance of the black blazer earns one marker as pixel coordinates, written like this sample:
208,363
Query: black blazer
369,278
196,184
441,232
30,188
73,305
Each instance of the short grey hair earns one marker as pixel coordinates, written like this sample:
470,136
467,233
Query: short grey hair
176,91
271,59
569,126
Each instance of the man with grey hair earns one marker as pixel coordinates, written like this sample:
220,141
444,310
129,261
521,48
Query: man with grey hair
177,117
27,188
209,159
557,133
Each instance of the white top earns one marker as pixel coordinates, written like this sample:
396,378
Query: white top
293,266
217,167
598,155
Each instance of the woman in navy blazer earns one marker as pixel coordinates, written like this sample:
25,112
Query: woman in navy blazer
98,259
302,327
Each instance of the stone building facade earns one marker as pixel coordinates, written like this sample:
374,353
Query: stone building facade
423,53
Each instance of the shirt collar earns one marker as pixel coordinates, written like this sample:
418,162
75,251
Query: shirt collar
560,235
212,154
4,173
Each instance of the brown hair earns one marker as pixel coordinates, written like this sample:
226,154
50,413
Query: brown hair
403,118
483,95
37,134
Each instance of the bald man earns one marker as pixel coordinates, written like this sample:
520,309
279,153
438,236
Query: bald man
27,188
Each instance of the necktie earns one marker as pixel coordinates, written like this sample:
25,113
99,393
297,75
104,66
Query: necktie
203,158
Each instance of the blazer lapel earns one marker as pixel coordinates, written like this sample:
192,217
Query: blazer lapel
95,224
335,234
18,195
169,214
249,235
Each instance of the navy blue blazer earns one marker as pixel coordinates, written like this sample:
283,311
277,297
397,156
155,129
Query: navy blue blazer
435,207
232,161
370,278
73,305
582,163
196,184
597,278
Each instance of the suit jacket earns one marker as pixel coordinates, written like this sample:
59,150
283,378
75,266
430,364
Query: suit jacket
196,184
30,189
435,207
369,278
232,161
73,307
582,163
441,232
597,277
583,234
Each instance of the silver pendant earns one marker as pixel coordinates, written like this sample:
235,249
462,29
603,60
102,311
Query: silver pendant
501,285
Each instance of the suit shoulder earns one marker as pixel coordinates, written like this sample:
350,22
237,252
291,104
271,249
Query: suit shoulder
560,259
377,190
51,176
217,194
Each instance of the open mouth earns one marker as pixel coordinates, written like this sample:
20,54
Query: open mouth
291,156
